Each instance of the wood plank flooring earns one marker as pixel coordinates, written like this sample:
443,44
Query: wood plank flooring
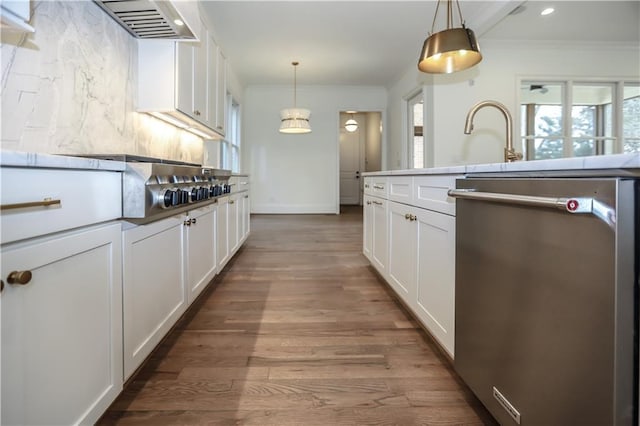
297,330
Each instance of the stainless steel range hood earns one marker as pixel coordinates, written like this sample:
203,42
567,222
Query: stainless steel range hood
152,19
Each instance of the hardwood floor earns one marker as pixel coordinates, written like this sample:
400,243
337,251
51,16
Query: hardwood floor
298,330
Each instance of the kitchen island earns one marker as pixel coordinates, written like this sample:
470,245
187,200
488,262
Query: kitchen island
424,244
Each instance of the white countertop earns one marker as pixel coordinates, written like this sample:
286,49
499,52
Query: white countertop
50,161
627,163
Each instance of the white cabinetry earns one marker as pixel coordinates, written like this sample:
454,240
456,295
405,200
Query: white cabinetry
434,303
421,247
200,249
233,223
154,293
375,232
178,82
61,302
222,232
15,15
221,91
402,251
61,331
244,216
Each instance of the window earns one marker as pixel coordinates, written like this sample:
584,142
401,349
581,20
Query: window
230,146
415,123
549,129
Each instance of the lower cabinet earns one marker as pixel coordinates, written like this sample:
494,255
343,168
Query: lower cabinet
420,265
375,236
434,302
154,289
234,223
61,327
244,216
222,233
200,249
402,251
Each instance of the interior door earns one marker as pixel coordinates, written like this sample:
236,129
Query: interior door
350,147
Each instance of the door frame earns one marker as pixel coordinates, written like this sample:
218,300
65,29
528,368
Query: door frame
383,144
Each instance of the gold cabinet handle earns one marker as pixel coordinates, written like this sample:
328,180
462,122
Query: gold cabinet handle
413,217
368,202
231,202
246,196
187,222
19,277
44,203
407,216
378,187
377,202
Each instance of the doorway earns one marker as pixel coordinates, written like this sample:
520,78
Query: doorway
360,151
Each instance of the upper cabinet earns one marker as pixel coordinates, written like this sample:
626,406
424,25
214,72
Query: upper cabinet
184,83
15,15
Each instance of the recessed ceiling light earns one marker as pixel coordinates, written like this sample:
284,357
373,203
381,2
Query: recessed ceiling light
547,11
178,22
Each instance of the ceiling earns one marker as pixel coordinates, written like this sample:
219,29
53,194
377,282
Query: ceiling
374,42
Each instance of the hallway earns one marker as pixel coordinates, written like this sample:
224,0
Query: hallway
297,330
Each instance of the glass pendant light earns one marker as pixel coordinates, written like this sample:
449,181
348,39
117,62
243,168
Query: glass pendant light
294,120
450,50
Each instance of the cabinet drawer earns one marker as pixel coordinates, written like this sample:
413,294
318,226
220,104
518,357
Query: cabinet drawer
400,189
430,192
376,185
85,197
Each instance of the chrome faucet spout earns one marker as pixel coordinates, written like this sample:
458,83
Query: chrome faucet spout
509,153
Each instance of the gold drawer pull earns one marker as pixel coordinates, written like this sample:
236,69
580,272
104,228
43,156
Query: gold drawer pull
44,203
19,277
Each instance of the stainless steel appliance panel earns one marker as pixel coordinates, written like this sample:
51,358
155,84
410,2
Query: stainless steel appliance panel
545,303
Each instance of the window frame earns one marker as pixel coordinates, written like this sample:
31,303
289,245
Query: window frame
525,114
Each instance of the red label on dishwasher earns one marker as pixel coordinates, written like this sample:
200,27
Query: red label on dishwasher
572,205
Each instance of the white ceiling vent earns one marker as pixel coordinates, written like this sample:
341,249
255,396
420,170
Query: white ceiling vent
149,19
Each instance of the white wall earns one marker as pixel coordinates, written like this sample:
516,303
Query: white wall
449,97
298,173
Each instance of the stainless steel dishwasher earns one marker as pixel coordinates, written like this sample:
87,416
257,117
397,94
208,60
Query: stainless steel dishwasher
546,298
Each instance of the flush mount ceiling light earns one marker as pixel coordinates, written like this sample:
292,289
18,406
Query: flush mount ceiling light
351,125
450,50
294,120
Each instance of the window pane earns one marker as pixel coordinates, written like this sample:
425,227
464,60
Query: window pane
583,120
631,119
548,122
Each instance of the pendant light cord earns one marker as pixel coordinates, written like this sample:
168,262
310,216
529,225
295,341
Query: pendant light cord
295,64
449,15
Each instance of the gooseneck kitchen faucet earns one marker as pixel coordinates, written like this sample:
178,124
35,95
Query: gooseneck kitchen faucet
509,153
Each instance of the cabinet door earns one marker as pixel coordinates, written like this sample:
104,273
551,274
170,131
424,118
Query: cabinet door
367,227
212,82
222,232
62,331
233,224
200,250
221,93
379,243
154,292
200,84
435,300
401,271
245,216
184,78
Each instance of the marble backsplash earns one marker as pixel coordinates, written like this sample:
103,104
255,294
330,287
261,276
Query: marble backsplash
70,88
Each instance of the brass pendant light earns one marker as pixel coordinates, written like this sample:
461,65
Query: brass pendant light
295,120
450,50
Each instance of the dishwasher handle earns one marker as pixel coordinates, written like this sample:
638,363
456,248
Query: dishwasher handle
567,204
